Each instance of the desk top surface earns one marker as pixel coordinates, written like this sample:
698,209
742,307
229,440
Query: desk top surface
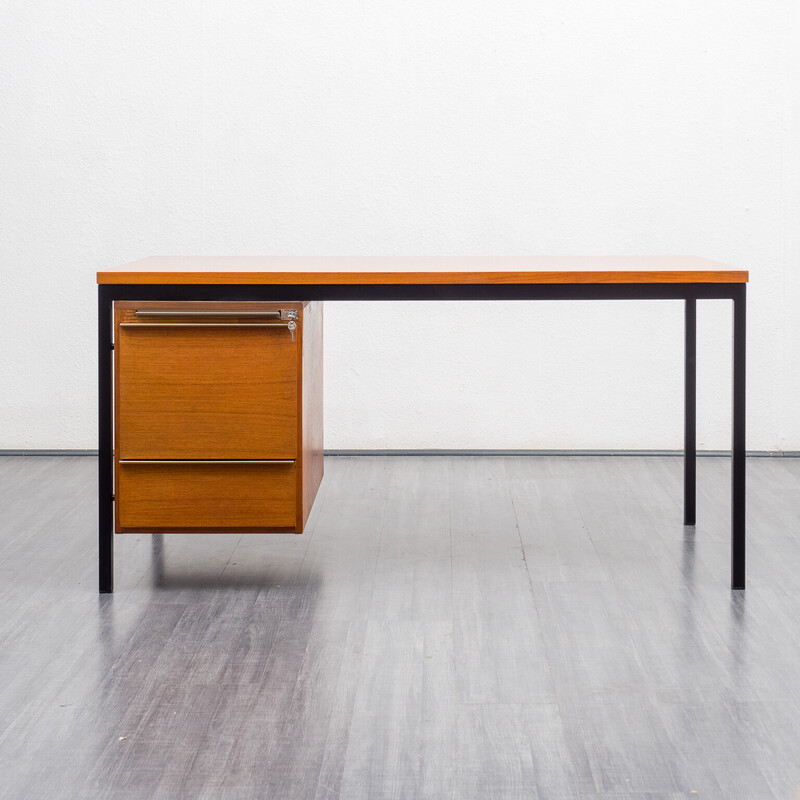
360,270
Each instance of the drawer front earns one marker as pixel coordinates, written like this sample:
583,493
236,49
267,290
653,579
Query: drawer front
206,392
211,497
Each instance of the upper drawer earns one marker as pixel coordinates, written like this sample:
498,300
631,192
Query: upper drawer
205,389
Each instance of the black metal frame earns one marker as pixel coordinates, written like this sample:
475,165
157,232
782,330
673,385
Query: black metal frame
690,293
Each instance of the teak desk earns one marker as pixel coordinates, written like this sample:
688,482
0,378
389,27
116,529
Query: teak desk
273,278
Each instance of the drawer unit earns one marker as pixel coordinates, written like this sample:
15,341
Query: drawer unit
218,415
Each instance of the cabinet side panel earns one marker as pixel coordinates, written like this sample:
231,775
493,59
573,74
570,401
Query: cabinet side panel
312,430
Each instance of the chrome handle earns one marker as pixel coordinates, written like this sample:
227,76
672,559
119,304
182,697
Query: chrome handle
207,461
181,312
288,325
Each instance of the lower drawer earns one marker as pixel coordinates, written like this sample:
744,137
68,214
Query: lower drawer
153,497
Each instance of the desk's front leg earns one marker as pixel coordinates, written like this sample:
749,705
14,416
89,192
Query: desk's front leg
690,413
105,458
738,443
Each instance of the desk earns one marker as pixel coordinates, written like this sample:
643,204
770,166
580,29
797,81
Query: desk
274,278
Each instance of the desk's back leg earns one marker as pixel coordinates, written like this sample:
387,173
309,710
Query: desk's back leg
690,413
738,443
105,459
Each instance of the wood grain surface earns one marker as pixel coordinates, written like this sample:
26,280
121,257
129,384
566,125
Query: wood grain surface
215,497
311,411
206,392
360,270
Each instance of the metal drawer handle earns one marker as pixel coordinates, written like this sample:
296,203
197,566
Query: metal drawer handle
288,319
208,324
207,461
180,312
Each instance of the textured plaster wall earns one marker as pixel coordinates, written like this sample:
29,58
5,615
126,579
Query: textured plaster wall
457,127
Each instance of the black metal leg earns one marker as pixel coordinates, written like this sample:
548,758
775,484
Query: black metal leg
105,460
738,443
690,414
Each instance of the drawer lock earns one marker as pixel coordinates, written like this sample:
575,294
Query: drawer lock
290,315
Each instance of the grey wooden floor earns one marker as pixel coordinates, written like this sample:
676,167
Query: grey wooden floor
447,628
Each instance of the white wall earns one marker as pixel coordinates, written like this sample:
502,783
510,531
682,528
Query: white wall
569,126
